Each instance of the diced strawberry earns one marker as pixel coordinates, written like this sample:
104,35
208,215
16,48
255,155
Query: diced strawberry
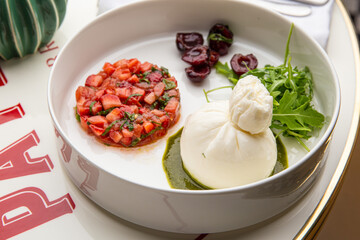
150,98
126,141
109,91
172,105
173,93
139,91
96,130
116,136
143,85
123,93
106,83
110,100
97,120
94,81
102,74
155,77
127,108
133,79
158,113
108,68
145,66
134,65
99,93
84,92
82,110
164,121
134,109
143,110
114,115
159,89
123,64
121,74
148,126
137,130
83,123
97,107
126,133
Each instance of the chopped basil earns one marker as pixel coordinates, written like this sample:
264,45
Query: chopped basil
109,127
168,84
156,123
77,116
151,132
132,95
135,141
91,106
142,77
129,125
163,100
105,112
165,70
130,116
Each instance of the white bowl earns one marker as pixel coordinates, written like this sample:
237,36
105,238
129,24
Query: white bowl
132,184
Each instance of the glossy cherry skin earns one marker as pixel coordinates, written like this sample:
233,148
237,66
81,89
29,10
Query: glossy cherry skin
198,55
186,41
220,38
197,73
241,63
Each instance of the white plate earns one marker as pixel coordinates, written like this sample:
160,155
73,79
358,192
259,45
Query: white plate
88,221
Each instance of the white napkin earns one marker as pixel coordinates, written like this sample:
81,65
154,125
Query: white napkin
317,24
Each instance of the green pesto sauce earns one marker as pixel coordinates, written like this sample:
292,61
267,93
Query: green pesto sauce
179,179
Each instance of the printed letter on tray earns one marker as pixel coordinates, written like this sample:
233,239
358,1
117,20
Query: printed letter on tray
11,113
28,208
15,161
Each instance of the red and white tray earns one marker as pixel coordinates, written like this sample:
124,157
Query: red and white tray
38,200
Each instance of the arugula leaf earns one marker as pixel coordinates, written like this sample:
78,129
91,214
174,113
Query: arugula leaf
219,37
302,118
227,72
292,92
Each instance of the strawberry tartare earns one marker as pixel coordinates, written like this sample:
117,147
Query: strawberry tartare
128,103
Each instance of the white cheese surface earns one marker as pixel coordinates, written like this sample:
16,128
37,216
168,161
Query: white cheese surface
218,154
251,105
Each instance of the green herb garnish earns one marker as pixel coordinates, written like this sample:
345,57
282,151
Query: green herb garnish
109,127
168,84
165,70
132,95
219,37
105,112
77,115
292,91
91,106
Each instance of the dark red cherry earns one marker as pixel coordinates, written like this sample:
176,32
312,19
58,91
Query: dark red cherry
186,41
197,55
197,73
220,38
240,63
213,58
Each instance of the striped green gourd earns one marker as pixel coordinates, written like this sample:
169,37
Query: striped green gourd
27,25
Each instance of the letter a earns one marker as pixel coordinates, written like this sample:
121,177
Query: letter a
15,161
